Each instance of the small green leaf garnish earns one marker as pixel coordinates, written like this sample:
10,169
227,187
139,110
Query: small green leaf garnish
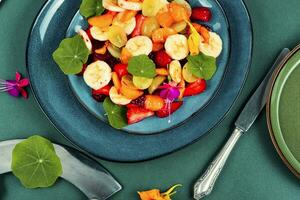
71,54
35,162
116,114
90,8
142,66
202,66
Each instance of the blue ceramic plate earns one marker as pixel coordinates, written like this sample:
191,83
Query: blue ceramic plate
56,98
191,104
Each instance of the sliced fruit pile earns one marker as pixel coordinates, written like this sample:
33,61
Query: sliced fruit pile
141,57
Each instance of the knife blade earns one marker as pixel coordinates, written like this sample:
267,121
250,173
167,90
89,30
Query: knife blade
80,170
258,100
252,109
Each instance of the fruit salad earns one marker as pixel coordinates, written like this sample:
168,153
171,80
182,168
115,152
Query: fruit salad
141,58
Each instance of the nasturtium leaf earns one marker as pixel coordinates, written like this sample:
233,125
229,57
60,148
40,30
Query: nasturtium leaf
35,163
116,114
90,8
202,66
71,54
141,66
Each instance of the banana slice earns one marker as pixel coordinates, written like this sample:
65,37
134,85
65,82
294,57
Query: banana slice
85,38
118,98
188,76
128,26
139,45
177,46
213,47
112,5
130,5
98,34
175,71
97,75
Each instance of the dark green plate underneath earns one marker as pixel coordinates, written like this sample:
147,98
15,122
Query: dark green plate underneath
284,111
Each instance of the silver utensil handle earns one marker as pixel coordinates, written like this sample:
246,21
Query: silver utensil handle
205,183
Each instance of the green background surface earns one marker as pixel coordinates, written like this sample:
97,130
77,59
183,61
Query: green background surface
254,170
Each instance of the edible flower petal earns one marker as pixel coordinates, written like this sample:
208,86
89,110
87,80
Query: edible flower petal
193,40
156,195
15,87
169,91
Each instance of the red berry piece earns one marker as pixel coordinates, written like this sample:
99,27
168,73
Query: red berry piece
121,69
102,57
88,32
169,109
101,94
139,101
139,18
97,44
83,70
131,106
104,91
99,97
195,88
162,59
137,114
201,13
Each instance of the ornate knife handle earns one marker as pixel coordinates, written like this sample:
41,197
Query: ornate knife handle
205,184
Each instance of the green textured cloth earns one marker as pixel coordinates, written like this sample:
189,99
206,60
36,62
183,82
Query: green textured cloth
254,170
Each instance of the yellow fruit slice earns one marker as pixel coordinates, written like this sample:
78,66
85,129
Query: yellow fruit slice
150,8
117,36
142,83
175,71
128,83
114,51
131,94
179,26
187,76
157,81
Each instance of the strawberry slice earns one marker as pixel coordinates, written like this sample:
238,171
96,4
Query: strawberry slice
136,114
195,88
139,18
105,90
162,58
131,105
121,69
101,94
201,13
165,111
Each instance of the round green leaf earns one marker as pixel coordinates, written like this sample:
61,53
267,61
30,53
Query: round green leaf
71,54
89,8
202,66
35,162
116,114
141,66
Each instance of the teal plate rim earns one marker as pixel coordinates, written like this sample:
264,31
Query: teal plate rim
133,148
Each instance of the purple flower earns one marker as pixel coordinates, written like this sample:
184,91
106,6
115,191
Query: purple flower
15,87
169,91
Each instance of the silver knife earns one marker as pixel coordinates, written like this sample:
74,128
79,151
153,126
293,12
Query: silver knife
254,106
83,172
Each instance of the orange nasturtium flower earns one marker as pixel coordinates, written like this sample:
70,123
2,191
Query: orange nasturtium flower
156,195
193,40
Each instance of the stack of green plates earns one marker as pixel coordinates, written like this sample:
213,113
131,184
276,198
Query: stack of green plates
283,111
